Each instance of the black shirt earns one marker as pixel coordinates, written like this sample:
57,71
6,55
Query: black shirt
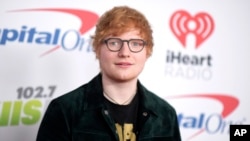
125,118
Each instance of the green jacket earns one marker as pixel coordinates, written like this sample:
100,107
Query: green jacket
81,115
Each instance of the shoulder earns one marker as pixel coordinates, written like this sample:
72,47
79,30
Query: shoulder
159,101
155,102
76,99
72,95
69,100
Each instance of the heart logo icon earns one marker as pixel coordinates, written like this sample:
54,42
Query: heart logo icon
201,26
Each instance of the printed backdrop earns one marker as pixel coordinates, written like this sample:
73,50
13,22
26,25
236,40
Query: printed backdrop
200,62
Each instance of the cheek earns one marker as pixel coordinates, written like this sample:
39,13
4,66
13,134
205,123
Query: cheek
100,50
105,58
142,60
100,53
143,57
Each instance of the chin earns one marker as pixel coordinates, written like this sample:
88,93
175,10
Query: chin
125,78
122,76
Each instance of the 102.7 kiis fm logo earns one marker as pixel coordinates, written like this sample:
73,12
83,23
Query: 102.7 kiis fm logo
189,64
28,108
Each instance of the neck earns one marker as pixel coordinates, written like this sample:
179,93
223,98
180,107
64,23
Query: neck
120,93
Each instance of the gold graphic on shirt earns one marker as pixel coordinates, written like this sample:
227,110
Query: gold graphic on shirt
125,133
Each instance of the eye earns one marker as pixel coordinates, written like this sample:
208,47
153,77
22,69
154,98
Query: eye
136,43
114,42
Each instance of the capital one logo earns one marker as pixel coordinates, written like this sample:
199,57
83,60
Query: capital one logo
71,39
200,25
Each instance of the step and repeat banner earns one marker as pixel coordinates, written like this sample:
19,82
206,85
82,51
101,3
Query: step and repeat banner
200,62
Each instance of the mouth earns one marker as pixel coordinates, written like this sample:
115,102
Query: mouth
123,64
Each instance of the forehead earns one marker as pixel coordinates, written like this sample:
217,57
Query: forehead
129,33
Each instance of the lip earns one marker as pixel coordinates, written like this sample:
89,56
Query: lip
123,64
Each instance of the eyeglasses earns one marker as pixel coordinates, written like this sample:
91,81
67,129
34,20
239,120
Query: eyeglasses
115,44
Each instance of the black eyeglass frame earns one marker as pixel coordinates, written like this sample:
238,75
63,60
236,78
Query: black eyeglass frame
106,42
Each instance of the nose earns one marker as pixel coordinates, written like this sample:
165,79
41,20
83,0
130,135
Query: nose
124,51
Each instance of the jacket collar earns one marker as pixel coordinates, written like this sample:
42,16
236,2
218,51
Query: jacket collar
94,95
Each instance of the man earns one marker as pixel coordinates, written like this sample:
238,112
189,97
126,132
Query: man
114,106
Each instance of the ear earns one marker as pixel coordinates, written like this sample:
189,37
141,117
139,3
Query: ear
96,56
149,53
97,53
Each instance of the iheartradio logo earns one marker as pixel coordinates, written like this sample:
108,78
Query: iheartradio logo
182,24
